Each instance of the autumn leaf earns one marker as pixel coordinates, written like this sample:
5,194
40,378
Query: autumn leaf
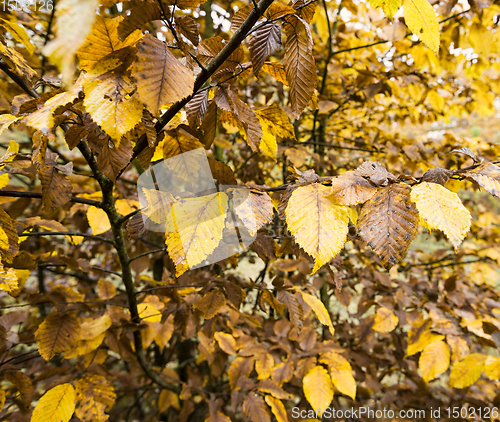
74,20
422,20
434,360
255,409
319,309
389,222
255,209
210,303
276,70
327,224
94,393
56,334
98,220
16,61
23,384
487,176
340,372
385,320
56,405
140,13
210,47
492,368
19,34
467,372
161,78
300,67
442,209
188,27
240,368
318,388
240,16
294,308
56,188
277,408
196,108
263,42
350,189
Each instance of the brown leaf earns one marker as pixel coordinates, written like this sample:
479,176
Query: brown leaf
376,172
350,189
300,66
56,188
149,127
437,175
112,160
264,41
141,13
240,368
255,210
210,304
188,27
209,48
467,152
296,314
23,384
196,108
240,16
56,334
389,222
307,12
208,127
221,172
255,409
161,78
8,226
487,175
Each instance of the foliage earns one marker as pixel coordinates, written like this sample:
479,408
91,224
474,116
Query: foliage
373,279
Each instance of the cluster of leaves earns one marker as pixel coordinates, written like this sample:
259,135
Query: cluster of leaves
341,289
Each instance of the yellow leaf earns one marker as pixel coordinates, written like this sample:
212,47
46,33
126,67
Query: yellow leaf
98,220
277,408
226,342
385,320
4,239
318,388
319,226
459,347
56,334
434,360
422,20
16,62
5,121
82,347
74,19
168,399
239,369
111,99
2,399
4,180
148,312
276,70
467,372
163,332
56,405
200,223
93,327
161,78
492,368
264,364
319,309
94,393
276,120
268,144
340,372
436,101
103,40
8,280
442,209
19,34
127,206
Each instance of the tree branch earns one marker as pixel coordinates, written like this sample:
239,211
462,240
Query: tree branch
17,194
90,236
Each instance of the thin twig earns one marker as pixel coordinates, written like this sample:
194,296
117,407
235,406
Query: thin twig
76,199
90,236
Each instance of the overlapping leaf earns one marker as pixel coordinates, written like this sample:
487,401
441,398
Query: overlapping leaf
422,20
467,371
56,334
351,189
340,372
263,42
487,176
318,388
56,405
434,360
388,223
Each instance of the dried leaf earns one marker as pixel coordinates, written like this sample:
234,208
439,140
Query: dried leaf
487,176
277,408
254,208
295,311
385,320
467,152
389,222
350,189
56,334
240,368
263,42
188,27
196,108
240,16
94,393
255,409
56,188
437,175
161,78
210,303
141,13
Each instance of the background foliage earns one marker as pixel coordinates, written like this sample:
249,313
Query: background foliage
367,138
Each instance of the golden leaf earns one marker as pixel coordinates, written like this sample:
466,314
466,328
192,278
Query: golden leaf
93,327
74,20
199,223
277,408
98,220
459,347
318,388
434,360
422,20
103,40
94,393
340,372
276,70
19,34
210,303
148,312
467,372
282,372
319,226
2,399
16,62
389,222
255,409
442,209
492,368
226,342
319,309
161,78
8,280
106,289
5,121
385,320
264,364
111,100
56,334
240,368
56,405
